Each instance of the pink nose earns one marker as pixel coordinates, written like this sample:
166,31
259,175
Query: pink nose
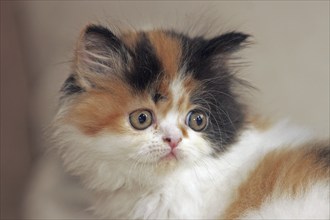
172,142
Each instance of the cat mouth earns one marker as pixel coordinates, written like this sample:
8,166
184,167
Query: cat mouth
170,156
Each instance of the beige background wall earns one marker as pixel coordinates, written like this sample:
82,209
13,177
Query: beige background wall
289,62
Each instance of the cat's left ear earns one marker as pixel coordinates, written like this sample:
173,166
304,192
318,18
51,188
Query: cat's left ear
227,43
99,54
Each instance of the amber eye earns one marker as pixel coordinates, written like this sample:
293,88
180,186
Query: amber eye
140,119
196,120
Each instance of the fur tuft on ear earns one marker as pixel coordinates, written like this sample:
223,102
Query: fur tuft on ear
225,43
100,52
214,53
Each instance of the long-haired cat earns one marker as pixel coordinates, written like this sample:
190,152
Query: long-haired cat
151,125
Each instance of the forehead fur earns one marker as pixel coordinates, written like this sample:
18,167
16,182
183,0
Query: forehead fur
167,48
168,51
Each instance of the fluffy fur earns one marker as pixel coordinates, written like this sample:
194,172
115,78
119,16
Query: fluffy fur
234,168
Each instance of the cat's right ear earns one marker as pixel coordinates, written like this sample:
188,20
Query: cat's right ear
99,53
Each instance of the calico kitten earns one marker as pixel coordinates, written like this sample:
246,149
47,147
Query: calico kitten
152,125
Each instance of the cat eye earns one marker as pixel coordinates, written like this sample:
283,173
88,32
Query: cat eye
196,120
140,119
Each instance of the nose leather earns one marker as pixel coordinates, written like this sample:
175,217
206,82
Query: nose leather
172,135
172,142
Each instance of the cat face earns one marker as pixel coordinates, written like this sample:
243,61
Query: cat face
155,97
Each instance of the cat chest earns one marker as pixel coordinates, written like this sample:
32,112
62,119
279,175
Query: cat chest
165,203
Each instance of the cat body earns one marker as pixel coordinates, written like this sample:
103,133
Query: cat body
152,126
207,189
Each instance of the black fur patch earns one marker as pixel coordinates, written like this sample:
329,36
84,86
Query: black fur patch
146,67
71,86
156,97
207,60
226,43
323,155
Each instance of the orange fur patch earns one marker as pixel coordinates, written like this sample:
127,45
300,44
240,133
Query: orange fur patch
181,103
168,50
95,112
183,130
281,172
190,84
130,39
184,105
108,109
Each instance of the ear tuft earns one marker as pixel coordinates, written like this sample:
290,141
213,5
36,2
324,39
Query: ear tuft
101,35
226,43
99,51
93,28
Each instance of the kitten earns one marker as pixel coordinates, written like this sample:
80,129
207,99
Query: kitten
152,126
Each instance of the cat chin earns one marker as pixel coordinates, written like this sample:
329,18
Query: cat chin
166,165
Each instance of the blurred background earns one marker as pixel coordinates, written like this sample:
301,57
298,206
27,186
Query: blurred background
288,63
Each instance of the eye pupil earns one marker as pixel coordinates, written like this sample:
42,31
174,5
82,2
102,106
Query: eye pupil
199,120
142,118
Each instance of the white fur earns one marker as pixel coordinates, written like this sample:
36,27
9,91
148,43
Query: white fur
196,188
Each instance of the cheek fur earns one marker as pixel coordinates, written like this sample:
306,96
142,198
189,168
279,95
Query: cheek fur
97,112
195,147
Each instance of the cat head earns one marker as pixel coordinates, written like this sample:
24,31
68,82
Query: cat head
153,98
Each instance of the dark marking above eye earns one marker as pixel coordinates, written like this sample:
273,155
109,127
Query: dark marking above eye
158,97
